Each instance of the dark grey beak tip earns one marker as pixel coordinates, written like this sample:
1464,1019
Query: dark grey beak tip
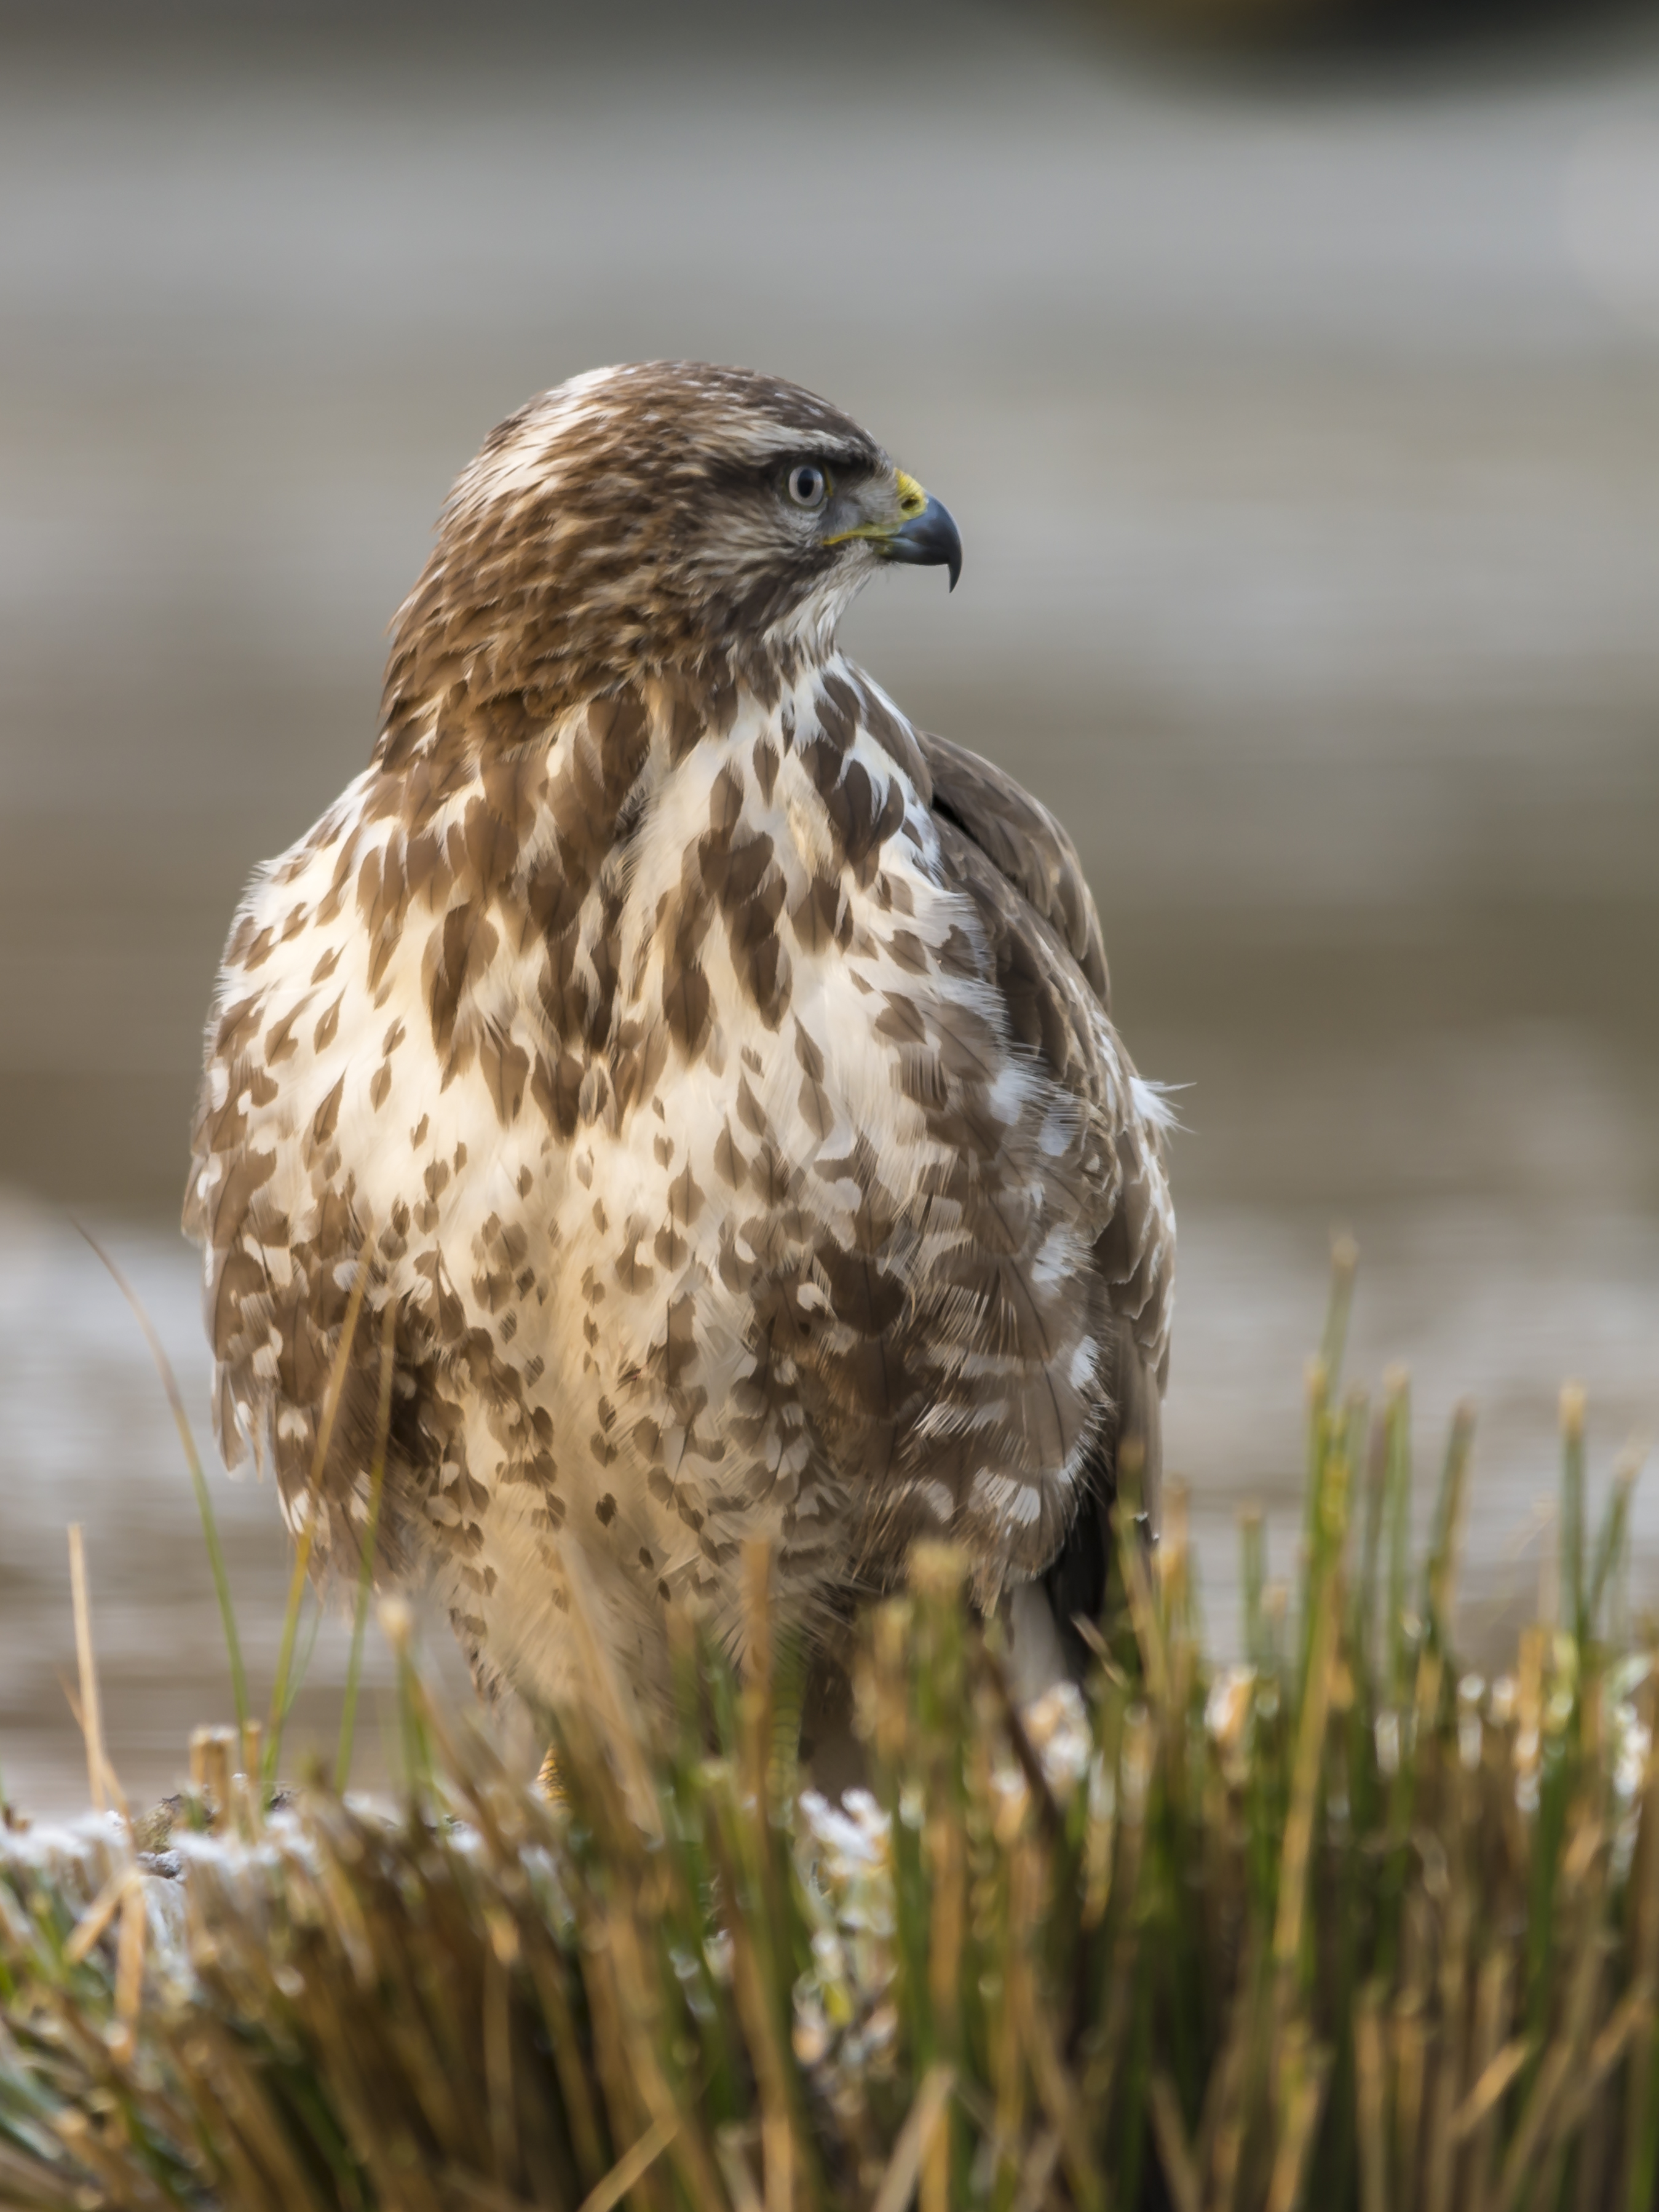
929,540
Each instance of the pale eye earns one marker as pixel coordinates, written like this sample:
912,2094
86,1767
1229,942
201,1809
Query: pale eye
807,485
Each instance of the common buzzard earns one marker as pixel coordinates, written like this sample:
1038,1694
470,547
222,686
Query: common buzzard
712,1070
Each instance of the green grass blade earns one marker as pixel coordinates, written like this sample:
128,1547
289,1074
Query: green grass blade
1345,1262
1613,1539
198,1479
1398,1416
1253,1575
1376,1463
1575,1595
1440,1572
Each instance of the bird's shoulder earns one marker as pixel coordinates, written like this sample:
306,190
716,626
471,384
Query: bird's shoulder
1024,842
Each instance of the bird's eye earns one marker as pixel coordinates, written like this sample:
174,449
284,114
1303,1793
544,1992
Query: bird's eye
807,485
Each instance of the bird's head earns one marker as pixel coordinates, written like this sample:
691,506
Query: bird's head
662,517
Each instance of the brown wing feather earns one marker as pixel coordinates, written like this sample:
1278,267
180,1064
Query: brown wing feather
1023,841
1037,907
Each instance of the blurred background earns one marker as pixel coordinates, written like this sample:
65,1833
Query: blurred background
1291,370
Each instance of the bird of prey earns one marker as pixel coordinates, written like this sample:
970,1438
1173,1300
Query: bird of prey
710,1071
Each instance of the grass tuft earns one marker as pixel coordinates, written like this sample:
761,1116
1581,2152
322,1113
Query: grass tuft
1343,1925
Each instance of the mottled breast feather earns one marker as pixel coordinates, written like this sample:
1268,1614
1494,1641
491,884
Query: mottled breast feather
705,1078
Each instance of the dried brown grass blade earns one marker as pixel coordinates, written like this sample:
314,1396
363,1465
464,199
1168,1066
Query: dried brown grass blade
1633,2014
91,1714
1040,2164
1492,1998
1144,1615
692,2154
778,2156
498,1958
129,1968
631,2167
225,2077
1370,2088
98,1914
735,2169
113,1789
1646,1885
1059,2094
1441,2154
1291,2161
1411,2054
921,2121
1490,2090
1305,1790
547,1972
209,1771
1530,2132
99,2156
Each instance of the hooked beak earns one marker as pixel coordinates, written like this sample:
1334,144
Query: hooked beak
928,540
923,532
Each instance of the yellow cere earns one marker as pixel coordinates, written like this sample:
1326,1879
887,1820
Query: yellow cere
912,500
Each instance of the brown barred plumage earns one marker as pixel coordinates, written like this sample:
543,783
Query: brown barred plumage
714,1071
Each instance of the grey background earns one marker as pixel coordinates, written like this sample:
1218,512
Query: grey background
1303,427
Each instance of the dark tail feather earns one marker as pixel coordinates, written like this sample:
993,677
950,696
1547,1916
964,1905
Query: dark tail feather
1130,1456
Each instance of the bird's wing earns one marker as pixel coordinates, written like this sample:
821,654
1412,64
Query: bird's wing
1023,841
1022,872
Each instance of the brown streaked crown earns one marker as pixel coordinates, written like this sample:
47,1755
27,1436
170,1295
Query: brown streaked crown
629,522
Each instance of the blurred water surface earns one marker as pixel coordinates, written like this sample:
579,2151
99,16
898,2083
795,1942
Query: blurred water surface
1304,437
